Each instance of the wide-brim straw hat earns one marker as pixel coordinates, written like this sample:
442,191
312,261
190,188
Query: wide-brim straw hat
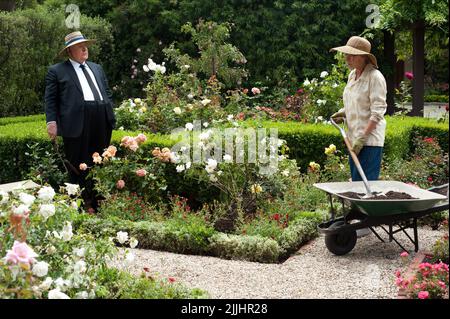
358,46
74,38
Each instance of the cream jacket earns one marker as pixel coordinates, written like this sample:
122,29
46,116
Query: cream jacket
364,100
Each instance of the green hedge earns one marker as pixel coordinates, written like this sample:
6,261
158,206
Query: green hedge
306,141
206,241
15,137
22,119
30,42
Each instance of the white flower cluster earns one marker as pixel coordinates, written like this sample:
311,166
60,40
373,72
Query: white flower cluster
152,66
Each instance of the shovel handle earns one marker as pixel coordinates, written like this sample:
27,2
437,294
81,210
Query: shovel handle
354,157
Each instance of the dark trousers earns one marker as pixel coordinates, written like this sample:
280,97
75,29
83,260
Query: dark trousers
370,158
95,137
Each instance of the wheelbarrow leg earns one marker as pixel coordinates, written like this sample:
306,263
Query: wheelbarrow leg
416,237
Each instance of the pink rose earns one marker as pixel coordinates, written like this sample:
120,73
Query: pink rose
409,75
141,138
133,146
423,295
20,253
256,91
112,150
120,183
404,254
141,172
83,167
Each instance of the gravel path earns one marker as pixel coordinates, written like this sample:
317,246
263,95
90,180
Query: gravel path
313,272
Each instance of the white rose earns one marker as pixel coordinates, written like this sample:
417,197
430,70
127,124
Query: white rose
57,294
46,193
146,69
133,242
189,126
190,96
177,110
47,210
45,285
21,210
122,237
80,267
40,269
285,172
79,252
230,117
26,199
323,74
205,124
227,158
205,102
306,83
180,168
4,197
66,233
188,165
72,189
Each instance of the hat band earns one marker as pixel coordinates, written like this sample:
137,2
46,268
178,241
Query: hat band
74,39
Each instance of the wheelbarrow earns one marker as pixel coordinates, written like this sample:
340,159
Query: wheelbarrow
340,233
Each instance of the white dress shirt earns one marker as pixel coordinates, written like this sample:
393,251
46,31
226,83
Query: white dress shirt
87,92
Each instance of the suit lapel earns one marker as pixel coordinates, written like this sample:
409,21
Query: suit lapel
73,75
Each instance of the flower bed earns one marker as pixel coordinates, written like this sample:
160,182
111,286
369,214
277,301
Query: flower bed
45,257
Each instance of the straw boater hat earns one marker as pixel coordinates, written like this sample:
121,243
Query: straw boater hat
358,46
72,39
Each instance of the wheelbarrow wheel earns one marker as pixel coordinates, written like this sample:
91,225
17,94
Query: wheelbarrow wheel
340,243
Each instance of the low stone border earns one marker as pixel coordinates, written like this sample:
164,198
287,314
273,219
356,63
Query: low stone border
411,271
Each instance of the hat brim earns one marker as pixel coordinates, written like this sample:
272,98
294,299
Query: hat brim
350,50
87,41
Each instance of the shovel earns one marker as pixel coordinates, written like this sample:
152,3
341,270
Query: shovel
369,193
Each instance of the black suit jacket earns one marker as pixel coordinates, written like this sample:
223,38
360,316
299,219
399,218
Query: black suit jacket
64,100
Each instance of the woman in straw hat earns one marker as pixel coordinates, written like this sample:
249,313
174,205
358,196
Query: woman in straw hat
364,107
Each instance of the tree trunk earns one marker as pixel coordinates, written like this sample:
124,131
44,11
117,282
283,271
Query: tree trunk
389,72
7,5
418,68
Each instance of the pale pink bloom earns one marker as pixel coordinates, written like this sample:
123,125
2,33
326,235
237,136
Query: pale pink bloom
423,295
256,91
106,154
112,150
120,184
126,141
141,138
404,254
83,167
398,281
97,159
442,284
398,273
20,253
133,146
141,172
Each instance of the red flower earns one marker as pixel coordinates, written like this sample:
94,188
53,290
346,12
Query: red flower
430,179
171,279
276,217
446,107
428,140
409,75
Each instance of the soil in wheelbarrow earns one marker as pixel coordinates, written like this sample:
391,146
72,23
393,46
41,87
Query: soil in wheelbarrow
389,195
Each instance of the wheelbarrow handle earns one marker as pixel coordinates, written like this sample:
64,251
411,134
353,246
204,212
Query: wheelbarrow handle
354,156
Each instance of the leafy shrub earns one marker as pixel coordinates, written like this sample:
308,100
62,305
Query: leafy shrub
252,248
436,98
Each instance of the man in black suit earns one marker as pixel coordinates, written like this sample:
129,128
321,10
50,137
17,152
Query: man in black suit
79,107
